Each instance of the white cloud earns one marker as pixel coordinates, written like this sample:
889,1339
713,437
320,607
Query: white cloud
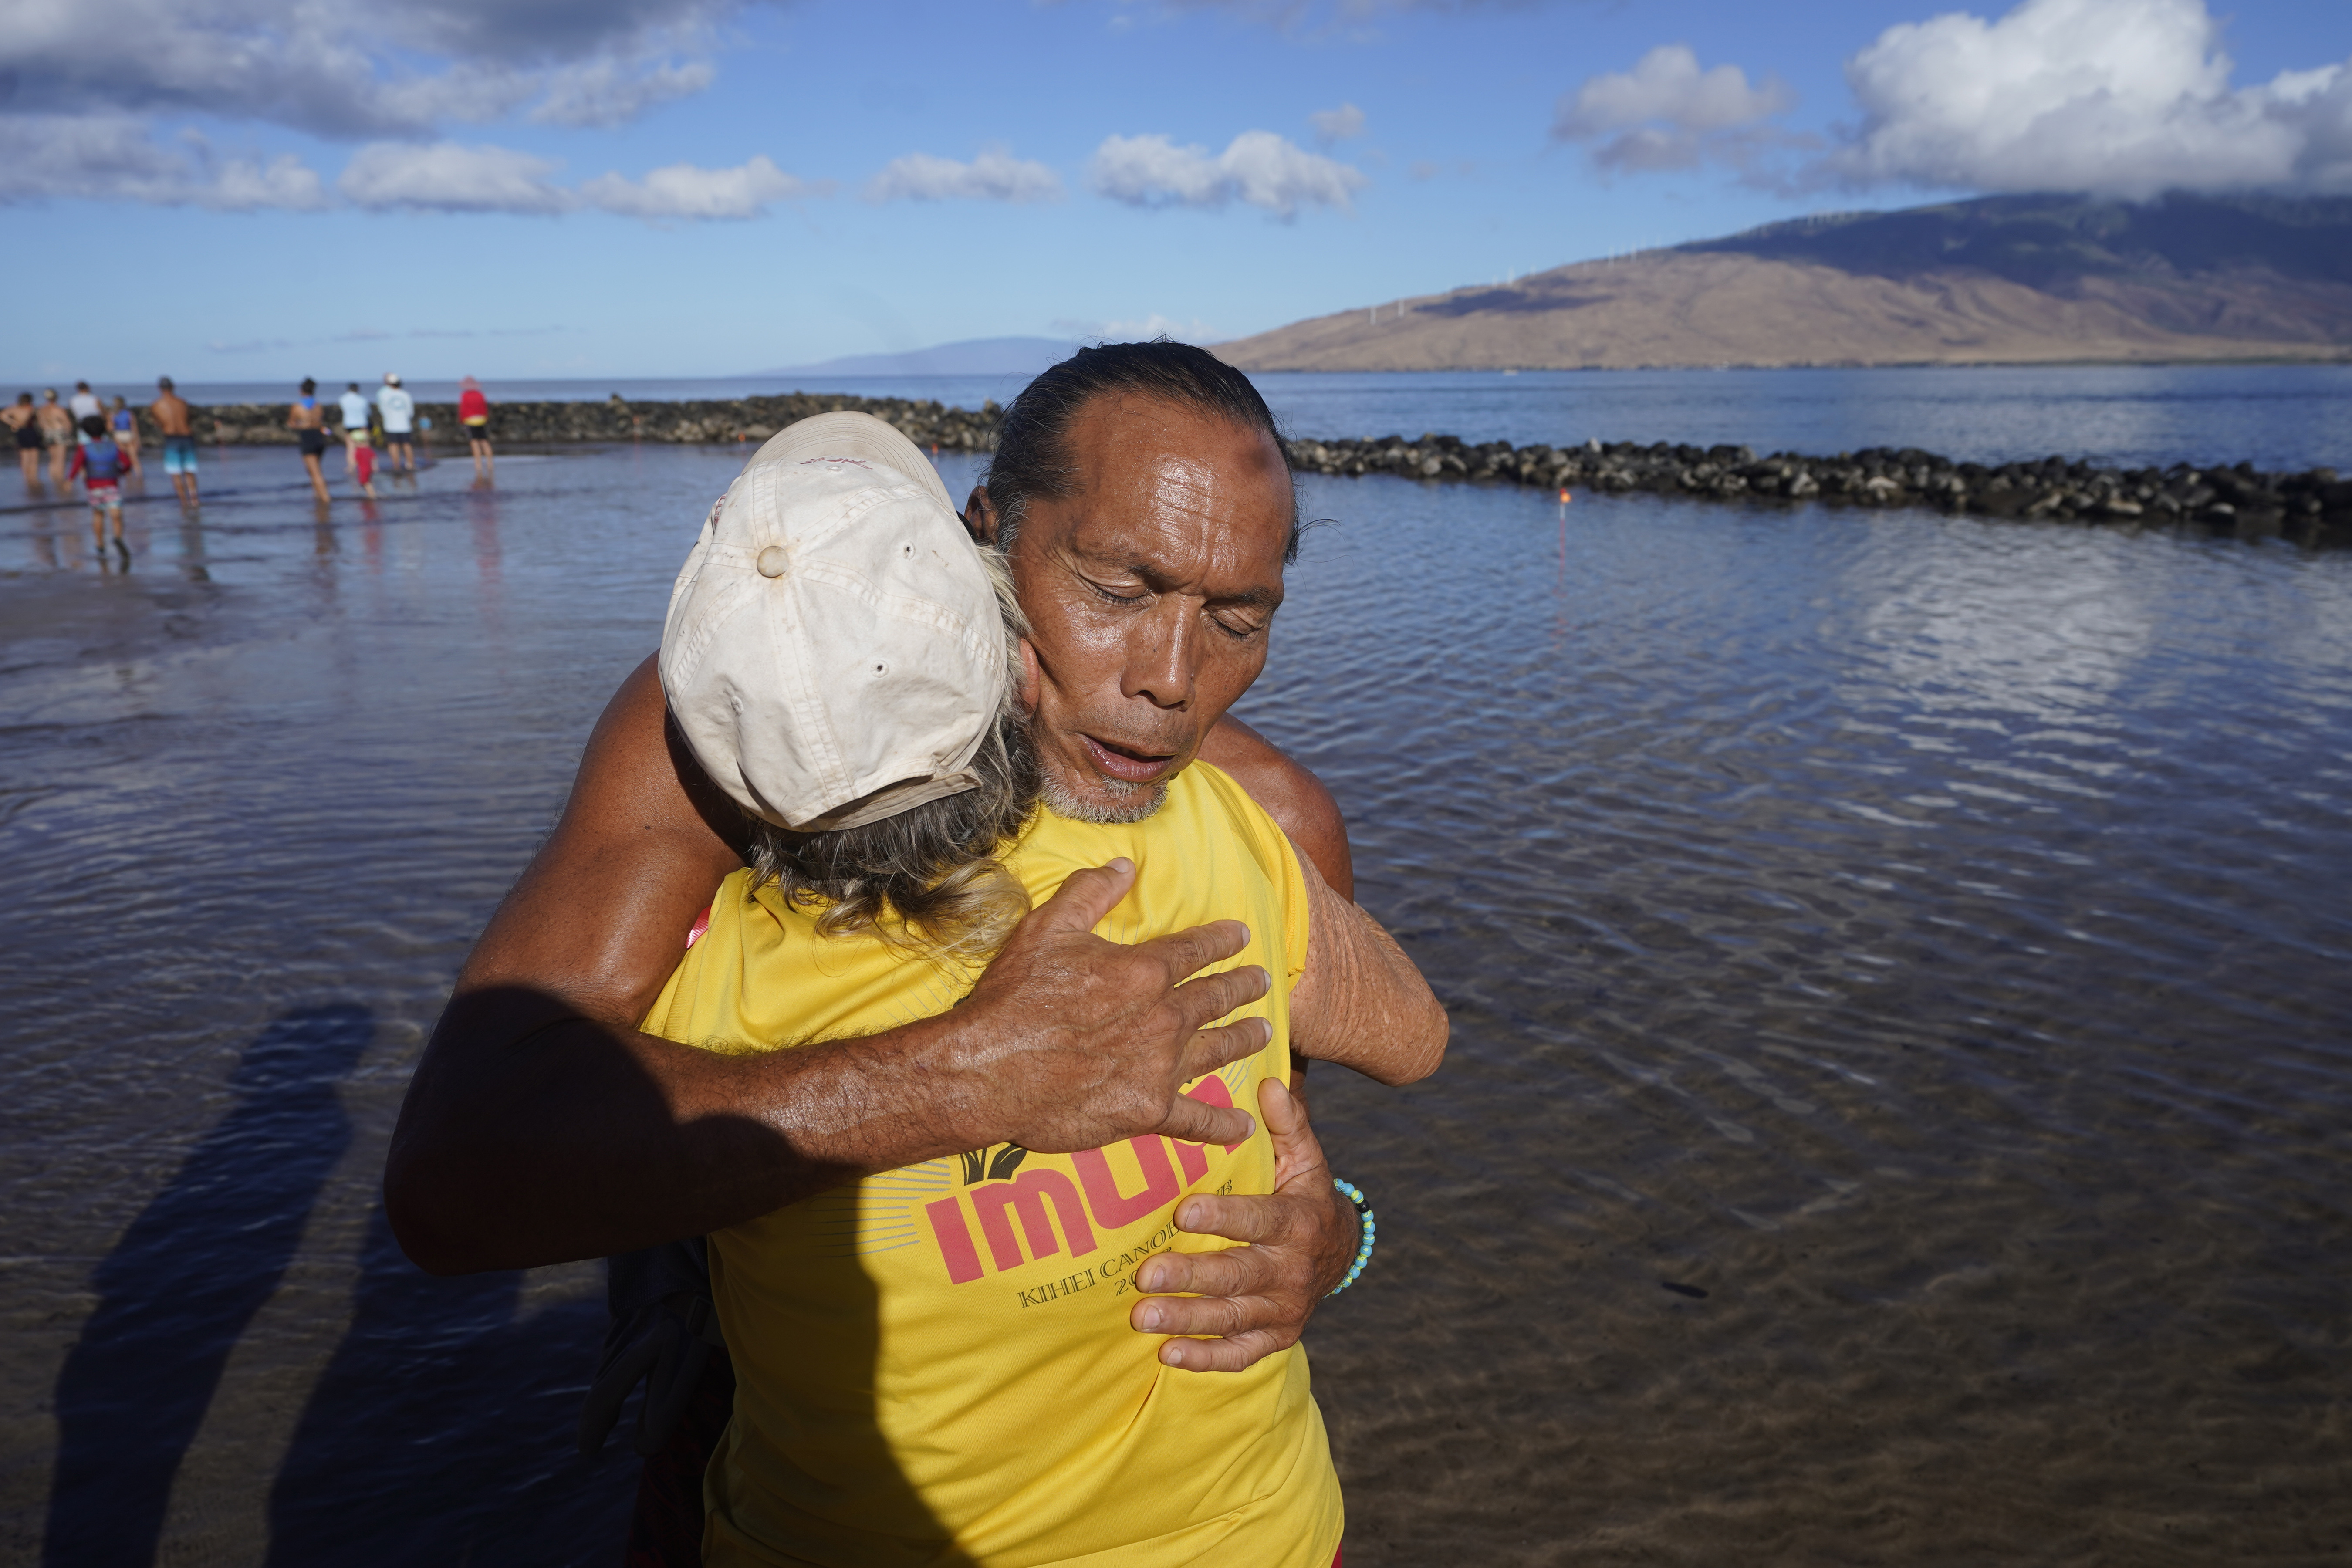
684,191
347,71
1337,124
443,176
2117,97
112,157
1259,168
607,91
1667,113
996,175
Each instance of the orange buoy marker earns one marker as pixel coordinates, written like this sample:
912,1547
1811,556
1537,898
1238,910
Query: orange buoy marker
1563,498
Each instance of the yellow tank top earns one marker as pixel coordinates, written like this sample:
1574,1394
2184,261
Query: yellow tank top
934,1366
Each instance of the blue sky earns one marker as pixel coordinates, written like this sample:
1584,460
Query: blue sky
252,190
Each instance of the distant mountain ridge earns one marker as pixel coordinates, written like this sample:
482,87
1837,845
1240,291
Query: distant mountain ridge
972,356
2001,279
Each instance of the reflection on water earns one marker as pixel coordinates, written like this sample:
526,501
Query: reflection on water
1926,939
1899,964
2039,648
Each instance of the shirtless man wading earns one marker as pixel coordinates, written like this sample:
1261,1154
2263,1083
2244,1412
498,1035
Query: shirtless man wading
171,414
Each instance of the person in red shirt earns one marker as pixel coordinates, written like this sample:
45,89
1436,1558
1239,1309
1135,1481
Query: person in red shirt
99,463
474,414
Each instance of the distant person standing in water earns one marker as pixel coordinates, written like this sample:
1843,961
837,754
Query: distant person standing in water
23,423
474,414
355,426
309,423
125,426
99,462
56,434
170,411
399,413
81,406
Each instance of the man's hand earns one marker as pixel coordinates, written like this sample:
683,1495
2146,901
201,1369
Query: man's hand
1255,1298
1085,1043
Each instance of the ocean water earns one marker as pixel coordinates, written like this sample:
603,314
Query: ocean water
1900,1107
2276,417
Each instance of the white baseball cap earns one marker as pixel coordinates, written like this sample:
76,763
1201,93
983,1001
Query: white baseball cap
835,651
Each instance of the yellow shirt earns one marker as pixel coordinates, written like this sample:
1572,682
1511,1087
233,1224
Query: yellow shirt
934,1366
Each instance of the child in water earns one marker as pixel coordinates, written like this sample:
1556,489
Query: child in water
101,462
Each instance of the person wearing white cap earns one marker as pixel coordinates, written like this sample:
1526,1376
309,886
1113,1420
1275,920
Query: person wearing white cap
398,409
846,665
1145,501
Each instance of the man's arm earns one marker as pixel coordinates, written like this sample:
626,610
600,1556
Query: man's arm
1361,1002
541,1126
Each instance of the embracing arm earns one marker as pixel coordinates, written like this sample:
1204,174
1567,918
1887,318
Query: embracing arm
1361,1002
542,1126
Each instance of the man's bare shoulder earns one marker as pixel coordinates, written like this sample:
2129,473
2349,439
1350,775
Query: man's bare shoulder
1287,793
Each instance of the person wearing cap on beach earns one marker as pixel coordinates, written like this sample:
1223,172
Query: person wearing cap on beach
398,411
1144,498
943,1354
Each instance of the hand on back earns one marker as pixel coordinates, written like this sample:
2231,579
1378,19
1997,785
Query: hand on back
1083,1042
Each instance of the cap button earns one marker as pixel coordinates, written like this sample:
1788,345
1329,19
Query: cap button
773,560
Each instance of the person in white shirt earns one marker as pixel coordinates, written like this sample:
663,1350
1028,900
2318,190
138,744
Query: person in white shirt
355,423
84,402
399,412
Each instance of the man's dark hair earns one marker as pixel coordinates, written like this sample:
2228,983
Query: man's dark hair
308,386
93,427
1032,457
165,382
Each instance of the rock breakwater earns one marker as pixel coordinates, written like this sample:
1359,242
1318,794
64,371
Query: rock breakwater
2238,498
617,419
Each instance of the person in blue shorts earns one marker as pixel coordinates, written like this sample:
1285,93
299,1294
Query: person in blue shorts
309,423
171,414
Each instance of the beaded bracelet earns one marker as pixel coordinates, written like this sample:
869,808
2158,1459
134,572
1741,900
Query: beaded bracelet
1369,1230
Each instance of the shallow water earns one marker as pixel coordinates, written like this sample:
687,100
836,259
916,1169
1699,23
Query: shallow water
1925,937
